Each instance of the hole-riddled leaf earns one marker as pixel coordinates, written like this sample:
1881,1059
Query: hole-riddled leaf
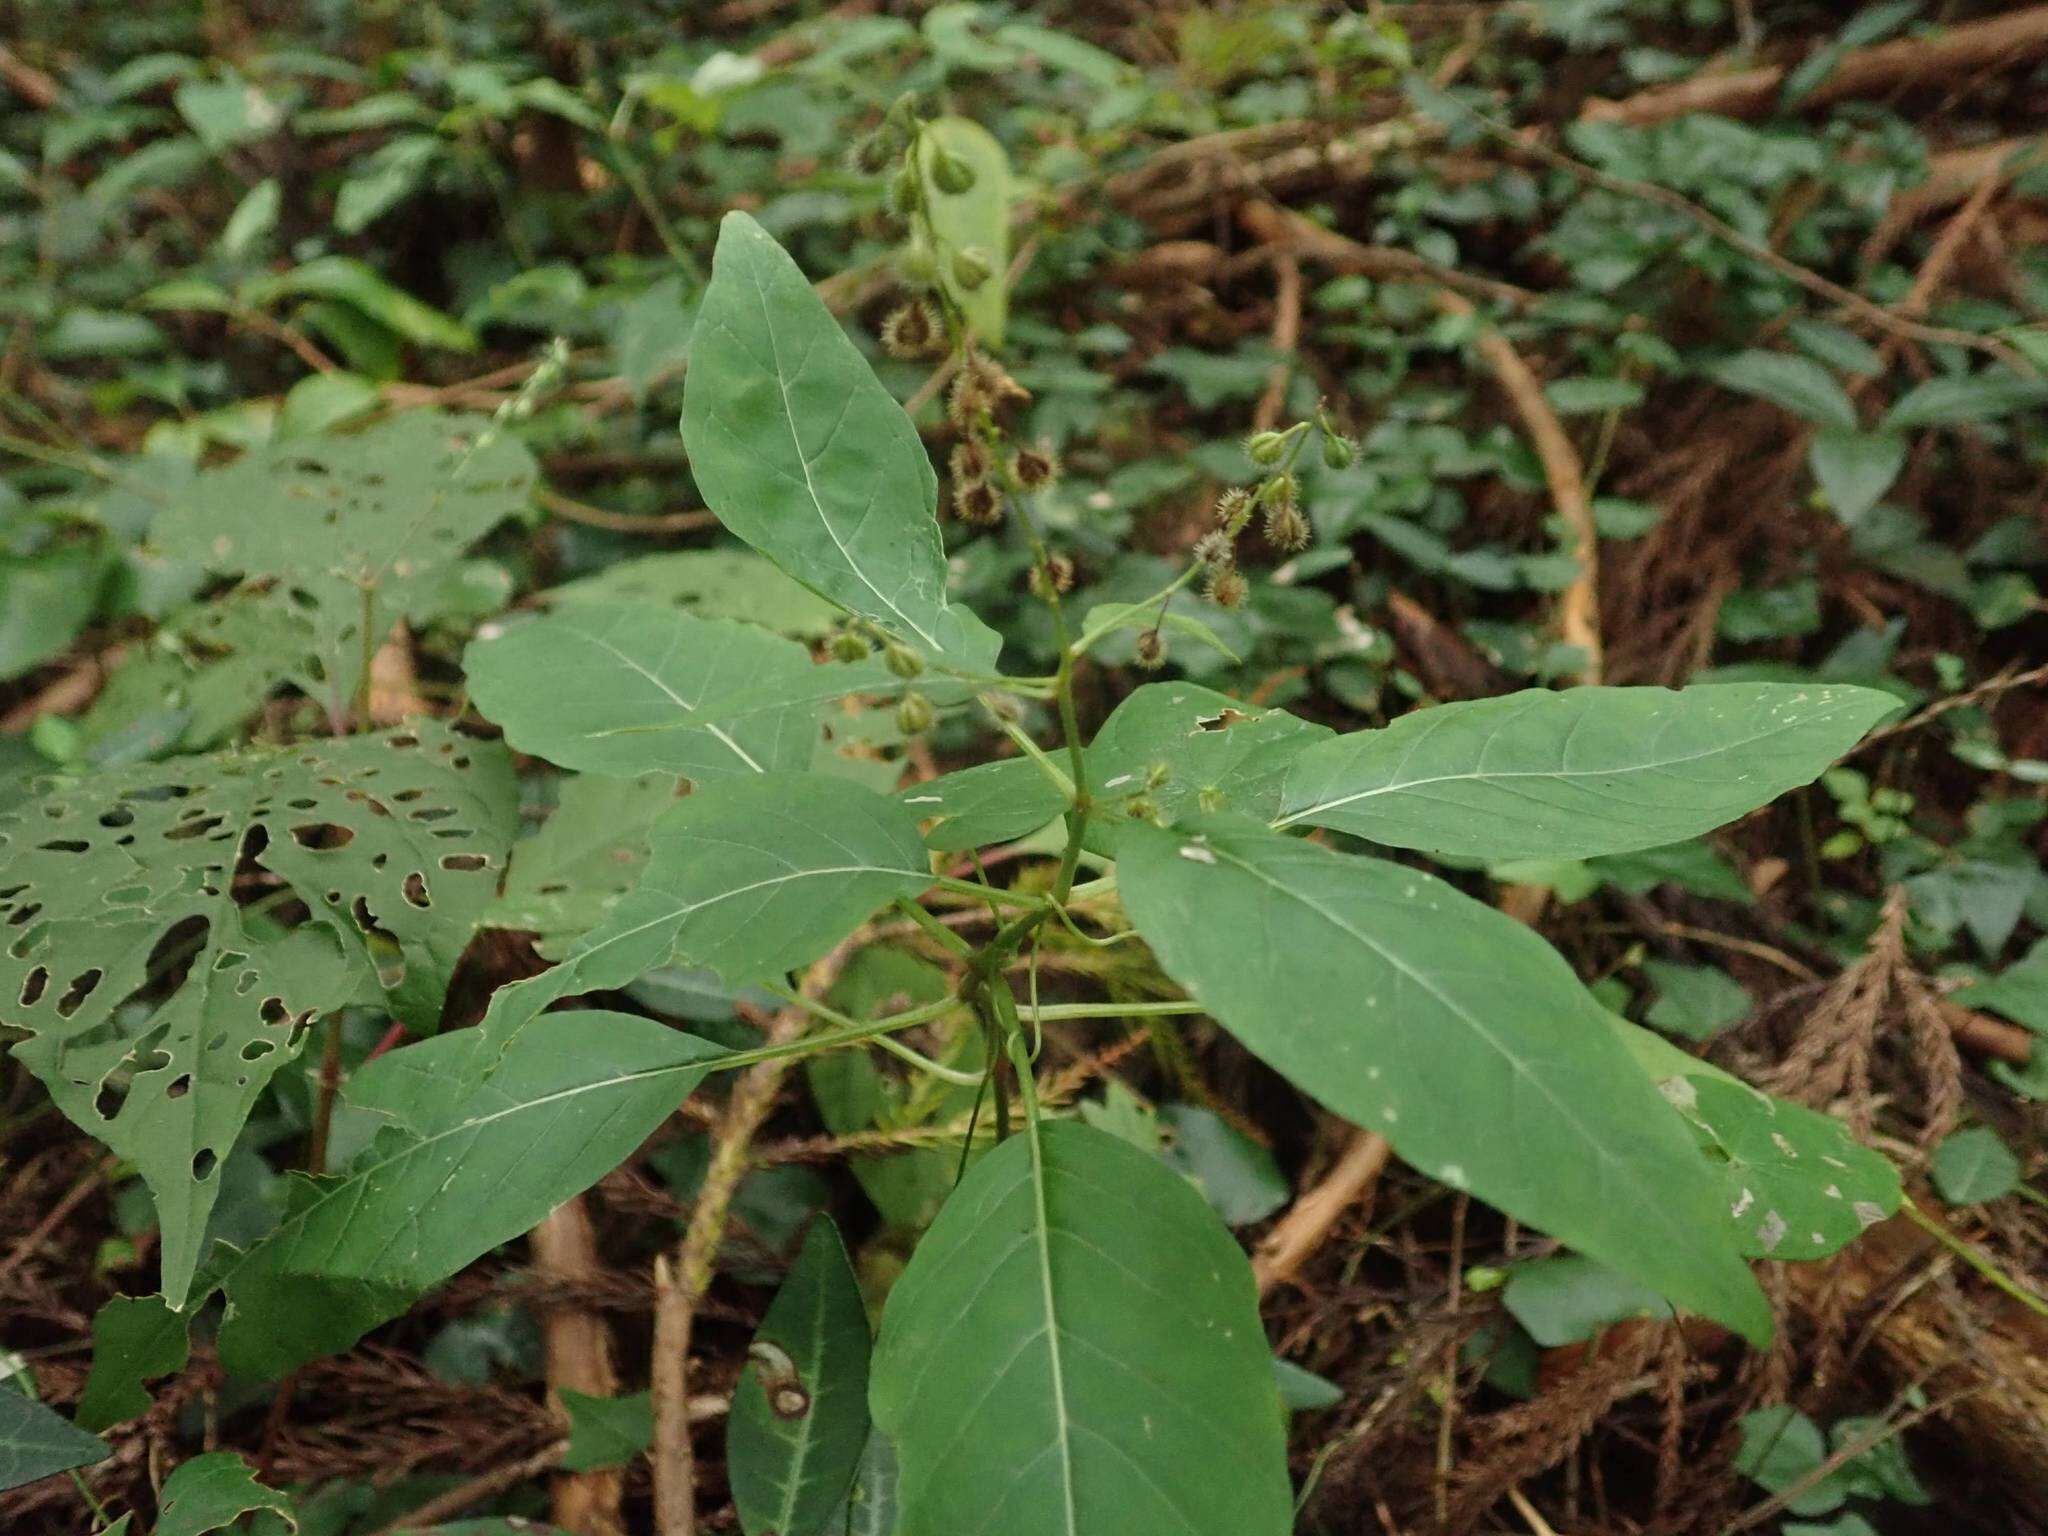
1454,1031
159,999
1075,1347
1540,775
801,452
800,1412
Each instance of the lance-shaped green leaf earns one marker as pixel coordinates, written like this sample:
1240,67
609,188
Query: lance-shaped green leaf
872,1506
158,1006
480,1146
1450,1029
988,803
36,1442
631,688
971,223
1075,1348
800,1412
801,452
1571,775
750,878
338,519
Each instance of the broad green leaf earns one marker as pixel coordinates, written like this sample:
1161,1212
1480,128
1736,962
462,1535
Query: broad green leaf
158,1006
750,878
630,688
135,1339
36,1442
606,1431
565,878
1236,1175
1797,1184
975,220
988,803
1798,384
1569,1298
481,1144
1973,1165
225,113
1450,1029
708,584
45,600
1855,469
1696,1001
1075,1348
1961,400
384,512
212,1492
800,1412
650,335
1782,1449
801,452
1540,775
1303,1391
350,282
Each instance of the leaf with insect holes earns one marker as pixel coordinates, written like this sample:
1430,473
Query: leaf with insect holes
1798,1184
1584,772
1450,1029
384,511
36,1442
975,219
800,1412
158,1004
631,688
214,1491
481,1143
801,452
1075,1346
750,878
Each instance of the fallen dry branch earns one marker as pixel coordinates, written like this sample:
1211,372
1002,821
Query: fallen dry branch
1298,1234
1996,42
578,1350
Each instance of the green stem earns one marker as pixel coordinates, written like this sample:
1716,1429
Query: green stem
1118,1010
1088,637
1972,1257
850,1032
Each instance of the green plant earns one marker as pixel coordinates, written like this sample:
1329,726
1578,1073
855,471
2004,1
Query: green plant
1075,1343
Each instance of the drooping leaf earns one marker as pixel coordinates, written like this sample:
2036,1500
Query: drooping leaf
382,512
483,1142
1855,469
350,282
606,1431
1696,1001
631,688
1799,384
1236,1175
1452,1030
1569,1298
36,1442
1973,1165
158,1005
1798,1185
1075,1347
748,877
974,220
135,1339
212,1492
988,803
800,1412
1959,400
1579,773
801,452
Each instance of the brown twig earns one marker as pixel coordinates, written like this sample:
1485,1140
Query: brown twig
623,522
681,1285
578,1350
1286,338
437,1509
1299,1233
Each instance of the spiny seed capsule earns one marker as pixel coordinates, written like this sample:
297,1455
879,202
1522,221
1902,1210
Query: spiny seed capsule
1226,586
1052,578
916,267
1265,449
1232,507
848,646
970,460
912,330
906,193
1035,468
914,714
1338,450
1151,650
902,661
872,154
1215,548
976,502
1286,528
971,268
951,174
